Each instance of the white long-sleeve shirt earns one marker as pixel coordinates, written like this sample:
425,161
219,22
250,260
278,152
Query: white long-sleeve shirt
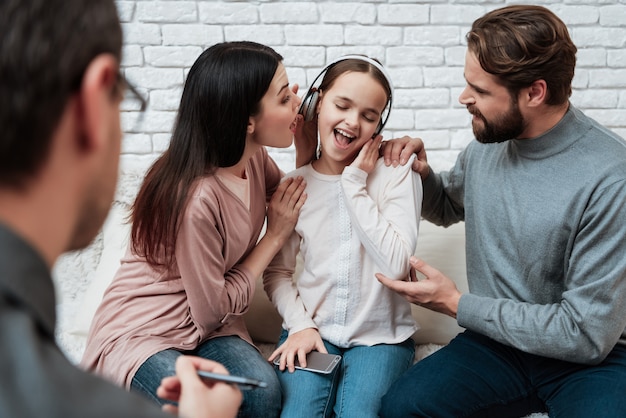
352,226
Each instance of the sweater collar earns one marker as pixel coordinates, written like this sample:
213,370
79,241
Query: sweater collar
564,134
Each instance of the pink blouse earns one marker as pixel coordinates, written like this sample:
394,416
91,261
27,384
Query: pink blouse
145,311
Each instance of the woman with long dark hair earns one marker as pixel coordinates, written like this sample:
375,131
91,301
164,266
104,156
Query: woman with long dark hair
194,257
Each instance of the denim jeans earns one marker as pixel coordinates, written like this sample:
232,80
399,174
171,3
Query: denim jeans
239,358
353,389
475,376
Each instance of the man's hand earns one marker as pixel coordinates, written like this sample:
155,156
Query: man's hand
397,152
197,398
435,291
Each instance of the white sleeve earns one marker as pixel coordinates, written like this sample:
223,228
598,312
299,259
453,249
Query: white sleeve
387,221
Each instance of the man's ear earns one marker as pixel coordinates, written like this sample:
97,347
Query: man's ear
537,93
97,97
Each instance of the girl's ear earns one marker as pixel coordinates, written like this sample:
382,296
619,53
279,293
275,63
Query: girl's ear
318,103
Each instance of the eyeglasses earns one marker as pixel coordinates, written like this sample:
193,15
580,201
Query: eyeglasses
131,94
125,86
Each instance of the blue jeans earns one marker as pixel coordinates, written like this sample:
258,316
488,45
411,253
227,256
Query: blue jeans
353,389
475,376
239,358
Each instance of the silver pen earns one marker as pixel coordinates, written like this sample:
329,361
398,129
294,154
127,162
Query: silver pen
244,383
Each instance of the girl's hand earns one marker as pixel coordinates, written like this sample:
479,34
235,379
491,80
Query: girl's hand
368,155
298,344
197,398
284,208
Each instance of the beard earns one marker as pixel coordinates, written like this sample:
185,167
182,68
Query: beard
503,127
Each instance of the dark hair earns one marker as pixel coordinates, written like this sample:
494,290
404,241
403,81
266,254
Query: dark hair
523,44
45,47
357,66
223,89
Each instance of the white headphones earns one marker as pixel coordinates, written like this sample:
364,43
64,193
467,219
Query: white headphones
309,101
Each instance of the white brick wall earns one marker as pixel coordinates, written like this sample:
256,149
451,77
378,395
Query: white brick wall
420,42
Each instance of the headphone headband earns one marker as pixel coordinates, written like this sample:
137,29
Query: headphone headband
309,101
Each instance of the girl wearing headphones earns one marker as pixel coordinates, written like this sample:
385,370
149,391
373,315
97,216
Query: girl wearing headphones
361,217
189,273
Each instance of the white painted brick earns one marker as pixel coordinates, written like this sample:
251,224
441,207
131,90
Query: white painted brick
622,101
581,78
125,10
409,77
136,144
456,14
611,118
155,78
607,78
400,119
616,58
132,56
403,14
153,121
167,11
577,15
289,13
160,142
422,98
314,34
462,137
302,56
364,14
443,76
192,34
213,12
435,138
142,33
415,55
599,36
432,35
440,160
171,56
372,51
591,57
596,99
613,15
441,118
455,55
168,99
271,35
379,35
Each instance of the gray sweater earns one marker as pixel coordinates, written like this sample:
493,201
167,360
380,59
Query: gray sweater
546,238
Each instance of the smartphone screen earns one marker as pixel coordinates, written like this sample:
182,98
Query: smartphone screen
317,362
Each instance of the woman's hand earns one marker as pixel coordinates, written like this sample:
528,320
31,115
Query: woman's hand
284,208
197,398
368,155
305,140
298,344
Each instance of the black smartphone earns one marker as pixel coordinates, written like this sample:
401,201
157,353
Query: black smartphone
317,362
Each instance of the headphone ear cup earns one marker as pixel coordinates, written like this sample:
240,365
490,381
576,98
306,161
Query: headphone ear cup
309,105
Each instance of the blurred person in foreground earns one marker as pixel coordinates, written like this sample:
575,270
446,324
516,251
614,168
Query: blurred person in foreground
542,192
60,93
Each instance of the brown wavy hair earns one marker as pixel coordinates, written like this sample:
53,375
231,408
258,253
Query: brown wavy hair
522,44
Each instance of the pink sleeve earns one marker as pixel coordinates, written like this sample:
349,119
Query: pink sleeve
215,296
